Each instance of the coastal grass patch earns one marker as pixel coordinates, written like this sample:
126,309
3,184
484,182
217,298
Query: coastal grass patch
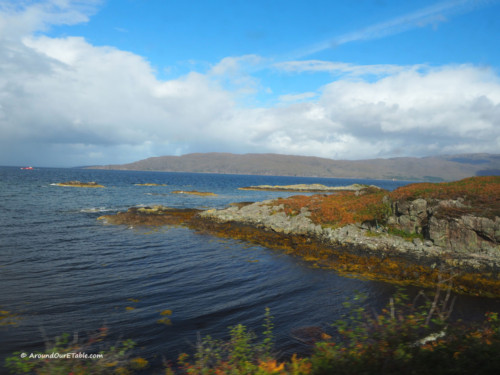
404,234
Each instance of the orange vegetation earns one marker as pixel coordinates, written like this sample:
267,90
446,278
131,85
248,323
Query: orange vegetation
480,195
340,209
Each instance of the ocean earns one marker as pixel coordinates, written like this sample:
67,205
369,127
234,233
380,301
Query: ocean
62,270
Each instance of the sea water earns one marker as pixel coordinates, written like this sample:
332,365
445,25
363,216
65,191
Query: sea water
62,270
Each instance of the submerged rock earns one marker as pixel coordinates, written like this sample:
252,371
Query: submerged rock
150,184
194,192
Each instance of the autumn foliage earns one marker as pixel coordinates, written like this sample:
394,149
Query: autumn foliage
479,195
340,209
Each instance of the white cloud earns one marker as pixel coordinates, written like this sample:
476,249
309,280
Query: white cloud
66,102
410,113
19,18
341,68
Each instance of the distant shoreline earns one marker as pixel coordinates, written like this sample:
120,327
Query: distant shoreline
429,169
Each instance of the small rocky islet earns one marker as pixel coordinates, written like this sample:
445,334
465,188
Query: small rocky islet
308,188
418,234
90,184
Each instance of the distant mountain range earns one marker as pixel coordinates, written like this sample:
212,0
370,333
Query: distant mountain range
435,168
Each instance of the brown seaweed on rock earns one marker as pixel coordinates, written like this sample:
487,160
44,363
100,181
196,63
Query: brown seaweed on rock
151,216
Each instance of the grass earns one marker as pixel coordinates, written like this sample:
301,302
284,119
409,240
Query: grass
401,233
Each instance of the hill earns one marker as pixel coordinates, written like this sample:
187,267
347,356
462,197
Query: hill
436,168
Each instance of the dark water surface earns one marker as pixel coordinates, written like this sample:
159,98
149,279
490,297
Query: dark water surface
62,270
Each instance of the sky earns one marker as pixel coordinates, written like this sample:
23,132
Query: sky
93,82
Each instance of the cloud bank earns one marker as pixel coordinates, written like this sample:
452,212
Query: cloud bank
65,102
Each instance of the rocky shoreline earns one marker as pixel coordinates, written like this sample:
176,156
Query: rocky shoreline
358,249
421,240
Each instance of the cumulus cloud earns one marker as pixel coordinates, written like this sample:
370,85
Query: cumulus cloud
413,112
20,17
66,102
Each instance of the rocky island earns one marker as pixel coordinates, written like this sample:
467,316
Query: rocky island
307,188
90,184
418,234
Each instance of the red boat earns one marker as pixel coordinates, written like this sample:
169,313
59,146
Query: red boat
27,168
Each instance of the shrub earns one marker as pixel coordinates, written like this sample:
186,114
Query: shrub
410,338
241,354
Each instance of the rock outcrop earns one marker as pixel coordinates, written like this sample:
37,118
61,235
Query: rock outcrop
448,225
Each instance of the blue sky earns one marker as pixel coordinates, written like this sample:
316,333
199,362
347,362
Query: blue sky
107,81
